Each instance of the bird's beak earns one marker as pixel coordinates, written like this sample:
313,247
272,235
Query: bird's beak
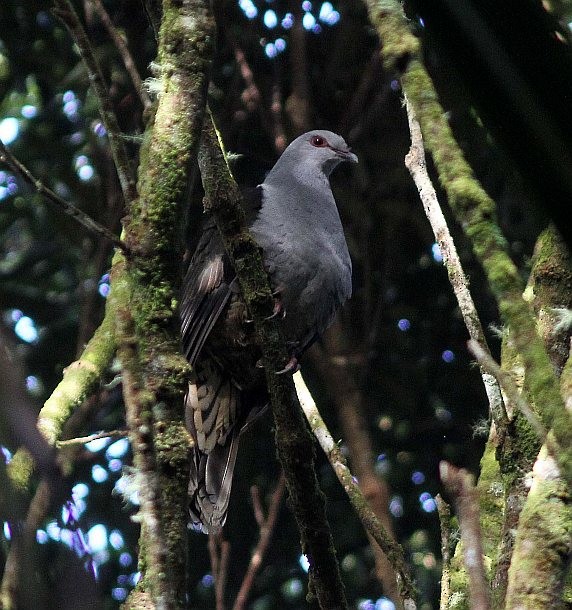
346,155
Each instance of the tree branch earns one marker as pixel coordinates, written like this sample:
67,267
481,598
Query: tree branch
369,519
145,287
266,527
540,560
445,522
417,166
458,483
71,210
80,380
121,46
66,12
82,440
487,363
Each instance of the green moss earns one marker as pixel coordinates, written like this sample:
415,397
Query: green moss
540,558
491,502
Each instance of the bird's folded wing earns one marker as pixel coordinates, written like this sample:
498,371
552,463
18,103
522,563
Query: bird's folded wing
209,282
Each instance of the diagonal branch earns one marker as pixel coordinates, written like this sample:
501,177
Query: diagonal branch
91,225
417,166
80,380
266,525
66,12
369,519
121,46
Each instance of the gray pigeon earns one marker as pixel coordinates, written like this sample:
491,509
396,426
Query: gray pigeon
293,217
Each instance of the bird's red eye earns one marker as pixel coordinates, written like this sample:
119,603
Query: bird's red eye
318,141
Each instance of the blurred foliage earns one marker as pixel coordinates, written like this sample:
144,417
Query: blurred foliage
422,395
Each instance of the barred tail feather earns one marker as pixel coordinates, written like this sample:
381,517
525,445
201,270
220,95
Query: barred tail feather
210,484
213,406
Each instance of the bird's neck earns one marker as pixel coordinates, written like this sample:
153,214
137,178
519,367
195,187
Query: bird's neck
305,176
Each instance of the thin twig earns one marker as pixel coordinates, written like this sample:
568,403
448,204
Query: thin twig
458,482
82,440
444,511
251,94
369,519
66,12
219,551
280,140
266,529
487,362
91,225
257,505
124,52
416,164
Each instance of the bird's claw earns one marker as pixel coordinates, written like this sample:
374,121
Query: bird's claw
292,366
278,310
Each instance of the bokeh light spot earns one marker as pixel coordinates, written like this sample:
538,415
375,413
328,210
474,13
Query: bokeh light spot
207,581
117,449
97,538
97,444
116,540
396,506
85,173
270,19
28,111
9,129
119,593
99,474
292,589
248,8
288,21
384,604
436,253
404,324
308,21
26,329
448,356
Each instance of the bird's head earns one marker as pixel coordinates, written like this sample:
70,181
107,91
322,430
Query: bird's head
320,148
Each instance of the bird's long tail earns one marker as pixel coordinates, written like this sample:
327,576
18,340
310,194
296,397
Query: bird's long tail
212,408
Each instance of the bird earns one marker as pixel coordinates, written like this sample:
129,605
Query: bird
293,217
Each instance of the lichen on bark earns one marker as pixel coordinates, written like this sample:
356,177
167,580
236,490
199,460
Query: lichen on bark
151,280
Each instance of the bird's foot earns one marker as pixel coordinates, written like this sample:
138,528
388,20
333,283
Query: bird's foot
292,366
278,310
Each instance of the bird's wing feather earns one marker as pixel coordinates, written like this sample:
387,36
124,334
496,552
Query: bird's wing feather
209,282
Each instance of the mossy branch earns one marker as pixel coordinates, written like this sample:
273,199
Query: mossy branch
543,543
81,378
293,440
148,287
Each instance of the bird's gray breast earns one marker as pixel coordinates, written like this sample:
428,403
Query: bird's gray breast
305,252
